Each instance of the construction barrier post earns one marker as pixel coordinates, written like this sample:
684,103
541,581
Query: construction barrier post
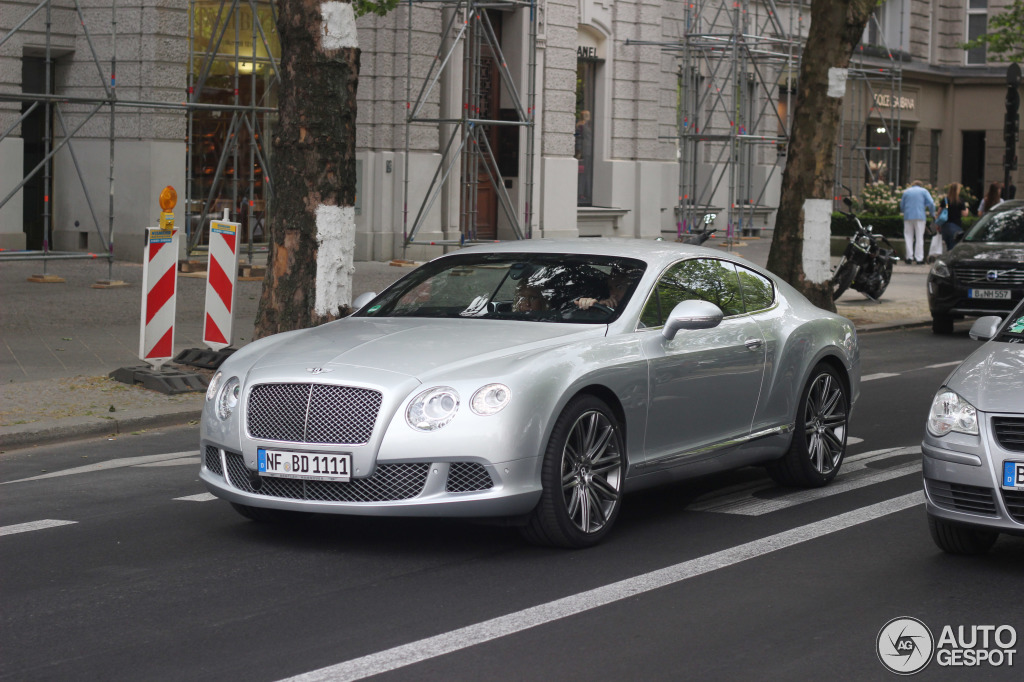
159,293
221,275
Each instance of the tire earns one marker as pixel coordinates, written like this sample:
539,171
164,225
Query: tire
942,324
264,515
582,474
819,442
884,276
843,277
955,539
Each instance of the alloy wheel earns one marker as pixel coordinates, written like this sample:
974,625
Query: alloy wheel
591,471
825,423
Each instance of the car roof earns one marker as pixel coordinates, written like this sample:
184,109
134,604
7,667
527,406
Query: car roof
1008,205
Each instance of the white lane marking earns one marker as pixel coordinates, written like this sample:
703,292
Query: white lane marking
502,626
111,464
853,440
182,461
201,497
880,375
943,364
744,491
34,525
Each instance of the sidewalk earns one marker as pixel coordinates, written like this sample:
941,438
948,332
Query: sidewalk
58,342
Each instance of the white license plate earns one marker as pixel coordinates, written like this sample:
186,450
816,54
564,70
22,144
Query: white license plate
989,293
1013,475
308,465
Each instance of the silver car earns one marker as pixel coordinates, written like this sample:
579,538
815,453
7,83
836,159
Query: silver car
535,382
974,442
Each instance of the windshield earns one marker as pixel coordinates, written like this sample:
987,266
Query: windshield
514,286
998,226
1013,330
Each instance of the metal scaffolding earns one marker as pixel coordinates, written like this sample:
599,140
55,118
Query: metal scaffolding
738,63
468,153
243,134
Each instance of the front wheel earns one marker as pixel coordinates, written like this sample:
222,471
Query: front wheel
819,443
955,539
582,474
843,277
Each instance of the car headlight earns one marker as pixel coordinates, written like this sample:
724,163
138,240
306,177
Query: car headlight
228,400
950,412
940,269
211,390
491,399
432,409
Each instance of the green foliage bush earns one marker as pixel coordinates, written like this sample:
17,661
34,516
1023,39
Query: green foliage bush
891,226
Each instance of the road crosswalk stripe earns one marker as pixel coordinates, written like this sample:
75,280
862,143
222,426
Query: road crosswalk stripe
503,626
33,525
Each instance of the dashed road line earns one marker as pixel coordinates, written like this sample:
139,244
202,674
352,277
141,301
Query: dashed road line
113,464
201,497
880,375
33,525
432,647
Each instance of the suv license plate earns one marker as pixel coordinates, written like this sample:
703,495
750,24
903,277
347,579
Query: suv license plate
989,293
311,466
1013,475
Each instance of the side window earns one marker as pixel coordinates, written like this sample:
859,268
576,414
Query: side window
758,292
702,279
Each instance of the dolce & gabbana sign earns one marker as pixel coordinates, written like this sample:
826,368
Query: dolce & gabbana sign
884,100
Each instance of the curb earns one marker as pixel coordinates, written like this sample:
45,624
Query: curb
40,433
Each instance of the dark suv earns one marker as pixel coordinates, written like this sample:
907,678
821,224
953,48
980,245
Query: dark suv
984,273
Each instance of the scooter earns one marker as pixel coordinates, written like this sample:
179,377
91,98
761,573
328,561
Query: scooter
866,265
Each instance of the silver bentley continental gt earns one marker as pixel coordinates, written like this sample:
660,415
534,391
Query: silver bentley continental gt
535,382
974,442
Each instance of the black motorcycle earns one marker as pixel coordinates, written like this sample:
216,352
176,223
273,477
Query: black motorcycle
866,265
698,237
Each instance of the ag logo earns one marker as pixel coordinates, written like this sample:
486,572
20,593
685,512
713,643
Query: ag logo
905,645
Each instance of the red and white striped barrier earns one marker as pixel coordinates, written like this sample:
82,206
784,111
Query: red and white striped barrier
159,293
222,272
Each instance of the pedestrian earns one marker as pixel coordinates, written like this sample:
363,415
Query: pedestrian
915,204
991,199
955,211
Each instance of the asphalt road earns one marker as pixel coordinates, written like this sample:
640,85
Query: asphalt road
722,578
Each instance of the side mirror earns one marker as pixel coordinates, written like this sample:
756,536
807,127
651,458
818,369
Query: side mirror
848,203
362,299
692,315
984,328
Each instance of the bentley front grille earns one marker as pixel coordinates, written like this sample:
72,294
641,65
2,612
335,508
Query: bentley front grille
213,460
312,413
991,276
464,477
1009,432
389,483
958,497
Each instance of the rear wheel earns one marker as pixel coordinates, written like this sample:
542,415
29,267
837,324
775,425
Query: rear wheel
264,515
842,278
584,467
942,324
819,444
954,539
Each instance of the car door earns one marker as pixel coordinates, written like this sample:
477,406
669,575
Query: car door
703,384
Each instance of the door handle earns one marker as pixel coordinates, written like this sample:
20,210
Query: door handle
753,344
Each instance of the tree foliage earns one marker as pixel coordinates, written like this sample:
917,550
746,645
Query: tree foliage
1005,35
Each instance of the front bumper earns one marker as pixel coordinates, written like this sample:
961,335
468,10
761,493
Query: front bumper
962,482
465,488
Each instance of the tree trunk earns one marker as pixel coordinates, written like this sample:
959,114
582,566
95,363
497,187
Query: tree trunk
312,231
807,183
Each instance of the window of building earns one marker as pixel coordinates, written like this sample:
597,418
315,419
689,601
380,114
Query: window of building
889,26
586,78
888,154
977,26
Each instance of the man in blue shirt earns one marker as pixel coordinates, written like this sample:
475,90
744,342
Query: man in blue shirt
915,204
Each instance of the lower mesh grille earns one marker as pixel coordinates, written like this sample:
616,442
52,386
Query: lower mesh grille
1014,501
464,477
212,460
390,482
958,497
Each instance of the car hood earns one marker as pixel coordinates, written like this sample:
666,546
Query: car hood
992,378
988,252
414,346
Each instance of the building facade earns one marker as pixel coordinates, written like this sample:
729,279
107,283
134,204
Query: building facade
557,118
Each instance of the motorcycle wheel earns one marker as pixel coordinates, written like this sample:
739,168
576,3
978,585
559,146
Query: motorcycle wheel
882,281
845,272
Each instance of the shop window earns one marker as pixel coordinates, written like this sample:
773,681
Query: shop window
977,26
933,160
888,152
586,77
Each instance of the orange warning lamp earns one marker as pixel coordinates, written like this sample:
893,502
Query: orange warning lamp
168,198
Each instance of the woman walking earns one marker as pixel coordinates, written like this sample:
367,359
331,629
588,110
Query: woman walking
955,211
